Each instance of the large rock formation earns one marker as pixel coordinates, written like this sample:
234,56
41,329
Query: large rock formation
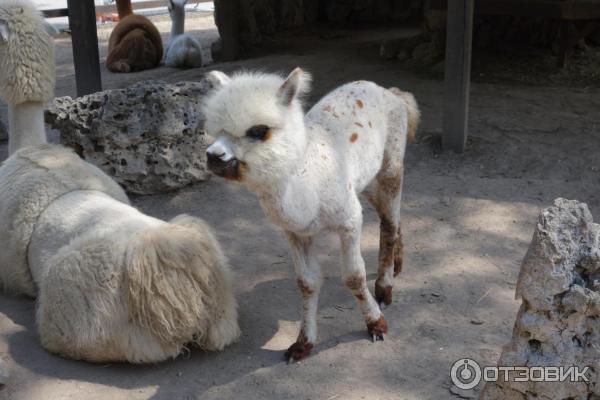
148,137
558,323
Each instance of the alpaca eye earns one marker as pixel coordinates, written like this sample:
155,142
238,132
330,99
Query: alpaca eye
259,132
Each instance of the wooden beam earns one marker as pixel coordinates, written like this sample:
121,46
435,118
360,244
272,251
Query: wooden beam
56,13
572,10
84,37
111,8
459,38
142,5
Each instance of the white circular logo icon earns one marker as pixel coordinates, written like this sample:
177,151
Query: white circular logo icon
465,374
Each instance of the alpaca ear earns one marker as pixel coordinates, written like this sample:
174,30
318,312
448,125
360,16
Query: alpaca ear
3,31
295,85
218,79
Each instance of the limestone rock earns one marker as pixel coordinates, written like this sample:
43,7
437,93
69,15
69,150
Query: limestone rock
149,137
558,323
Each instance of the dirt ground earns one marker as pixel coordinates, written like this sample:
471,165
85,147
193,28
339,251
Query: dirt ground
467,222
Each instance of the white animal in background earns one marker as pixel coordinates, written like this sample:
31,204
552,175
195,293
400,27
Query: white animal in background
308,171
183,50
112,284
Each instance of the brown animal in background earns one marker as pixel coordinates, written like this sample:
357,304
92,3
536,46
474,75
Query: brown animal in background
135,43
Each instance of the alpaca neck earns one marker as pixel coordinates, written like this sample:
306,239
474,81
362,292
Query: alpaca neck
26,126
177,21
292,202
124,8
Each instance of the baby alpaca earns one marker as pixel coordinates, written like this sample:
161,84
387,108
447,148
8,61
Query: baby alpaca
183,50
135,43
112,284
308,171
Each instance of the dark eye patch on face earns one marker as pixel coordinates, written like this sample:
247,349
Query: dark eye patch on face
259,132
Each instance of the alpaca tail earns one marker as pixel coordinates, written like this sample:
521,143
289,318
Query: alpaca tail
179,286
412,109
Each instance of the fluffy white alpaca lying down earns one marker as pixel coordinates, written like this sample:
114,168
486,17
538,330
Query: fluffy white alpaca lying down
112,284
183,50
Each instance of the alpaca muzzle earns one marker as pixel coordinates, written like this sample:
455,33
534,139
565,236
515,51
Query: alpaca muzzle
222,162
231,169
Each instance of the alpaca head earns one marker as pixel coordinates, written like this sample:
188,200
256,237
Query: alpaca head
176,7
258,123
26,54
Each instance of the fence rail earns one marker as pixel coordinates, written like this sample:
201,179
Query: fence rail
110,8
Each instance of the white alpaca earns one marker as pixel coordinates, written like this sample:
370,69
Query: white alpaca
112,284
183,50
25,51
308,170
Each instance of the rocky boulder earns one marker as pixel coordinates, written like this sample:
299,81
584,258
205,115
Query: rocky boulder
558,323
149,136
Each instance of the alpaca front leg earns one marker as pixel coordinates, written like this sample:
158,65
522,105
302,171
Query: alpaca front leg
308,278
355,279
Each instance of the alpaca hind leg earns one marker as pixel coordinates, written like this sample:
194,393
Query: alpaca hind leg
387,201
355,279
308,278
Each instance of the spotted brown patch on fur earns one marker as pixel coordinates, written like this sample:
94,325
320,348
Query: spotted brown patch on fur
370,124
360,297
398,254
387,242
355,282
238,174
299,350
353,137
304,288
378,328
358,124
335,115
390,180
360,104
327,108
267,136
383,294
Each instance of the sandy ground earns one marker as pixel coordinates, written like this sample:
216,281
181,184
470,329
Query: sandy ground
467,221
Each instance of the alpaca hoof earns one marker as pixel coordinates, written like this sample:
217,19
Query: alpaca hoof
121,66
383,295
397,267
377,329
299,350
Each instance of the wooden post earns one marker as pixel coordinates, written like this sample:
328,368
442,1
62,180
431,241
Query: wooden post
459,38
84,36
226,15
